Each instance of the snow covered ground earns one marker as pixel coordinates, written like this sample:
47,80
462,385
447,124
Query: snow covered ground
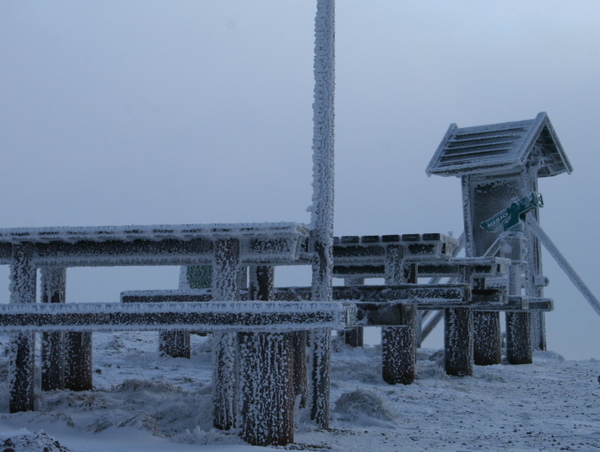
144,401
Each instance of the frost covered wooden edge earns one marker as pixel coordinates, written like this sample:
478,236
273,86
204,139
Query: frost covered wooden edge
424,296
212,316
273,243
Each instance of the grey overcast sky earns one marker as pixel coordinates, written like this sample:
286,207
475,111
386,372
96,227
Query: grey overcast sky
148,111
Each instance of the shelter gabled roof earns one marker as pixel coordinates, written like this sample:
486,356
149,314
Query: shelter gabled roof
500,148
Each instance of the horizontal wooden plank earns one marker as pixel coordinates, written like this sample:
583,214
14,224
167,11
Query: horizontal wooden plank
212,316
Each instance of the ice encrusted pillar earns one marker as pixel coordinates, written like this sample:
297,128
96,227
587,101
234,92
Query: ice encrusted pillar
458,334
22,345
398,346
225,287
267,377
355,336
323,201
175,343
519,346
53,288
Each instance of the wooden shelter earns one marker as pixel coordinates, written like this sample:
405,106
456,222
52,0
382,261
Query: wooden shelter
498,164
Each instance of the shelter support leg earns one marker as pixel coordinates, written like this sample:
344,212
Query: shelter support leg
538,330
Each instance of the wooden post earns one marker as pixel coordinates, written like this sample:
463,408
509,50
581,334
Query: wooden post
458,341
22,345
487,335
398,344
177,343
225,288
399,360
78,367
320,341
323,197
299,344
266,364
519,346
53,288
355,336
458,334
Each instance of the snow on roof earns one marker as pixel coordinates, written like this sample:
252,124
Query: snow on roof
151,232
500,148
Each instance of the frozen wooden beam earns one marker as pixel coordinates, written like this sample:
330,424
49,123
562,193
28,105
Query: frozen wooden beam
211,316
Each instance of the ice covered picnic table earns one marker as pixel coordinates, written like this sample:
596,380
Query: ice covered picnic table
226,247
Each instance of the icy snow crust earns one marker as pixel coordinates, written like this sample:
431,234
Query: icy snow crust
144,401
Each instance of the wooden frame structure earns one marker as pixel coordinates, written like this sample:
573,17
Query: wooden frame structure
498,164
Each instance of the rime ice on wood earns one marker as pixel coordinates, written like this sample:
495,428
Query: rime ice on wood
53,283
22,345
498,164
323,198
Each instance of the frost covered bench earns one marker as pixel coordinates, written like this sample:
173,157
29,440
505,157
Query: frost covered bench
266,384
380,305
227,247
405,258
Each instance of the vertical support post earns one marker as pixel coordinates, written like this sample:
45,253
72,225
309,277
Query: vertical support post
22,345
487,338
398,343
177,343
458,341
53,288
519,347
538,330
78,367
266,365
225,288
458,335
355,336
323,199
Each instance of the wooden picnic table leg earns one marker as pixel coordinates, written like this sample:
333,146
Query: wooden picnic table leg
177,343
458,335
78,367
519,349
398,343
458,341
487,334
355,336
53,288
487,338
266,365
225,288
22,345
